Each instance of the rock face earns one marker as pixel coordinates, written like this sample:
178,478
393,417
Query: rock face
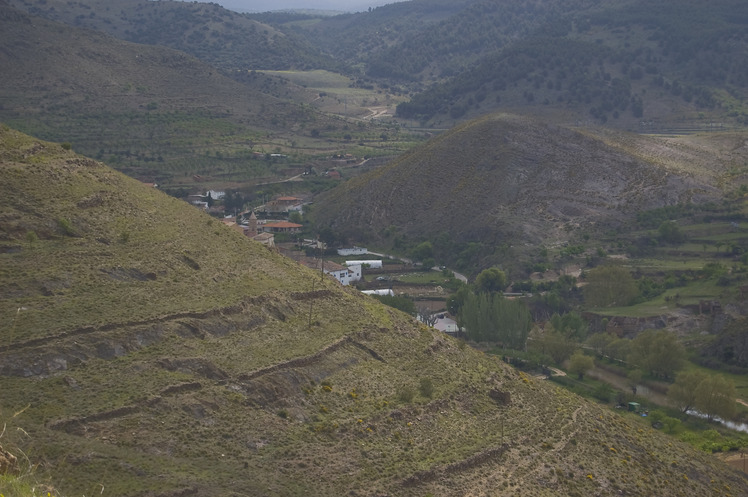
8,463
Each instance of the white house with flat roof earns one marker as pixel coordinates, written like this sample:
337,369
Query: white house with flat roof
345,252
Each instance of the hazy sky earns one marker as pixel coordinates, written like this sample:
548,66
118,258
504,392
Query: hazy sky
266,5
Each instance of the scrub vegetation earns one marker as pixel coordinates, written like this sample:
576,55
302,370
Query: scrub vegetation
209,365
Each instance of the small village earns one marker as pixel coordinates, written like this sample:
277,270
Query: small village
374,274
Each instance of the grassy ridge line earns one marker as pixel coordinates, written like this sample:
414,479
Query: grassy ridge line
81,241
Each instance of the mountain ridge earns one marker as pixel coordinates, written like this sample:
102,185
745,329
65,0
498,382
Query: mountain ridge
227,40
153,112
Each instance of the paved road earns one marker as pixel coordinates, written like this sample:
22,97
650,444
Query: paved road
459,276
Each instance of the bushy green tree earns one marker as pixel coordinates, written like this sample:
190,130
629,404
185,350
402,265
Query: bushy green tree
580,363
491,280
715,396
609,286
457,299
619,349
657,351
599,342
669,232
295,217
682,393
422,251
570,324
561,337
492,318
554,345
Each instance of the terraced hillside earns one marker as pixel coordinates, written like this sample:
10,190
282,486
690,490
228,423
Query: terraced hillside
505,179
148,350
157,113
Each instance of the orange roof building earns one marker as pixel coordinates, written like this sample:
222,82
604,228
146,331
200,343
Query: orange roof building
282,227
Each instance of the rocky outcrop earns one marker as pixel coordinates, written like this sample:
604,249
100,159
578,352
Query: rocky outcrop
8,463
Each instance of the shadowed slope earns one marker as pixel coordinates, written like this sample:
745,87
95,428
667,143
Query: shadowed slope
505,178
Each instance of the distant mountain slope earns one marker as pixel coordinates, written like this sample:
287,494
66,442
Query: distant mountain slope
223,38
629,64
149,350
511,180
354,38
454,44
154,111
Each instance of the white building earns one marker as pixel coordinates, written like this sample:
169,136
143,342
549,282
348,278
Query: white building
352,251
447,325
355,272
345,275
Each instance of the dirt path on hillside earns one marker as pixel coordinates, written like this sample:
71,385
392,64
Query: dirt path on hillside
378,112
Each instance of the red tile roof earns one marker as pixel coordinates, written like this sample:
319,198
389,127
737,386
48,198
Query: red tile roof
283,224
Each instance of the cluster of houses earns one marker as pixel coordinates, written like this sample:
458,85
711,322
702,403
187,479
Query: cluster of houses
345,274
283,205
263,233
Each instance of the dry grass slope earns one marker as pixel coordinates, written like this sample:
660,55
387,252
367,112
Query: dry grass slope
182,359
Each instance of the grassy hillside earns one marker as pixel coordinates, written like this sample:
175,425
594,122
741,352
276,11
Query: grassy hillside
149,351
159,114
515,182
118,251
223,38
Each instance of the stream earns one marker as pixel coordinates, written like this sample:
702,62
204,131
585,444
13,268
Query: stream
742,427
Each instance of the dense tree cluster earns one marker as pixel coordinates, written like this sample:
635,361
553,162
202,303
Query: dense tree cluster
656,352
490,317
610,286
600,74
710,394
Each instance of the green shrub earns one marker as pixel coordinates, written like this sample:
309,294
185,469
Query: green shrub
66,226
671,425
426,388
603,392
406,394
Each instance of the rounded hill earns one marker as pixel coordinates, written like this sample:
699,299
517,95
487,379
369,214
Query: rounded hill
510,179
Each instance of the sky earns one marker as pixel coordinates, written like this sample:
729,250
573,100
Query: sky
266,5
